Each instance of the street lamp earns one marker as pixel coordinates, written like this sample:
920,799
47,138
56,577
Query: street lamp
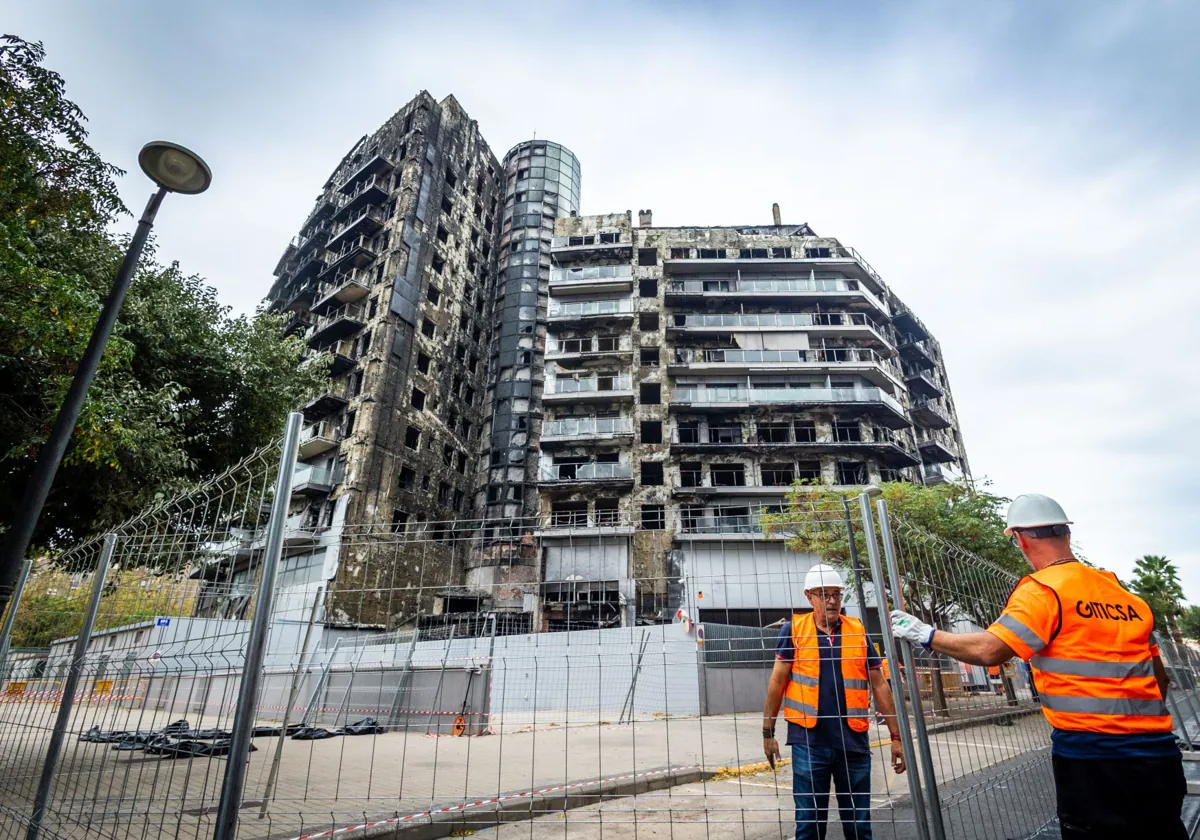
174,169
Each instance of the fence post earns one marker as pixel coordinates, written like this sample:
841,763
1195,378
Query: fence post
891,649
937,830
234,782
67,702
1166,643
10,618
854,567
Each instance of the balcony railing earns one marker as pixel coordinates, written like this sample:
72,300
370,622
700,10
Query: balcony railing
338,324
778,319
316,438
587,426
375,165
597,384
344,287
589,308
929,414
590,471
309,478
829,355
361,249
739,395
591,274
367,217
767,285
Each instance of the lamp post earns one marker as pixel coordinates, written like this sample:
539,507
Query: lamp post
174,169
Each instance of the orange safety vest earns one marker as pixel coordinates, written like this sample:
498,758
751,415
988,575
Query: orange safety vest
801,698
1095,673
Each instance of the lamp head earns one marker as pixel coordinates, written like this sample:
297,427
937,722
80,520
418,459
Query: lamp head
174,167
872,490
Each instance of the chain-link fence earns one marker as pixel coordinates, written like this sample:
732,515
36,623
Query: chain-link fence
409,677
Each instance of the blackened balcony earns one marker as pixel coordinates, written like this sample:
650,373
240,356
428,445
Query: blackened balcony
319,437
310,480
586,473
867,362
604,245
377,164
928,414
909,324
874,401
365,221
331,401
916,353
344,287
922,384
937,448
309,266
772,286
856,325
576,430
591,279
337,324
356,253
297,321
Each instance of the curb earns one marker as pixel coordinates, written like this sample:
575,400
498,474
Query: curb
525,805
983,720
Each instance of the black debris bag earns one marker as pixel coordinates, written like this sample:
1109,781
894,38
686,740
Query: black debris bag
310,733
140,741
274,731
190,749
366,726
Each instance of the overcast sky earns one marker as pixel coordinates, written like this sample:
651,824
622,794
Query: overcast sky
1024,175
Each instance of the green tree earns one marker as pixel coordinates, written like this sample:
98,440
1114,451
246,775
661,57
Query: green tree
1156,580
1189,623
184,389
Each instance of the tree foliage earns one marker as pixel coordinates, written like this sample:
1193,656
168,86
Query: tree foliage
937,590
184,389
1189,623
1156,580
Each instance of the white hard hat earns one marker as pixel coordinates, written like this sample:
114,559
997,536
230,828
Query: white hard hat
823,576
1033,510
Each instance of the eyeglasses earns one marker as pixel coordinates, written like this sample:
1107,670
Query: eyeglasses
1013,539
835,595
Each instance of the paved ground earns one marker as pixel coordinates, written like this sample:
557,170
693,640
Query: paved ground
331,784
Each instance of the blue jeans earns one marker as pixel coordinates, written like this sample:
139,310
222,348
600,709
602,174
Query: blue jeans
813,767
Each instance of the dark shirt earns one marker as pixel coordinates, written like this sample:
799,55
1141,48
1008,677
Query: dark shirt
1092,745
832,728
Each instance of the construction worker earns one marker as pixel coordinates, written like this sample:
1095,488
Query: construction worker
1117,767
823,665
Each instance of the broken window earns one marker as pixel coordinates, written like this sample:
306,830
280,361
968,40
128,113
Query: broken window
648,321
443,495
690,474
608,343
434,294
689,432
462,463
681,253
648,288
443,235
418,399
809,471
607,512
407,479
652,473
609,238
447,454
373,307
778,475
731,433
648,356
816,253
752,253
651,431
891,474
846,431
774,432
577,241
412,438
654,517
806,431
650,393
437,263
713,253
399,521
428,328
422,363
716,285
568,514
691,517
728,475
647,256
781,253
451,179
851,472
447,205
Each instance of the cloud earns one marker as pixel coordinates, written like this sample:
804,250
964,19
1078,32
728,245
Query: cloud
1023,175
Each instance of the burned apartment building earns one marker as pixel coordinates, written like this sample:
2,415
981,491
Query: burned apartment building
391,274
693,375
576,421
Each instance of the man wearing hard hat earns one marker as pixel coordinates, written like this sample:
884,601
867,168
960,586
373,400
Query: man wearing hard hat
823,666
1117,768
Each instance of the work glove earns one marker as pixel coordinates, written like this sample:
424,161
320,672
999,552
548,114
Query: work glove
911,629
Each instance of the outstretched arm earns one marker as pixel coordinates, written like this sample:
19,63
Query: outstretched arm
981,648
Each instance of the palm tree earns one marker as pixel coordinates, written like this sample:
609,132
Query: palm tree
1156,579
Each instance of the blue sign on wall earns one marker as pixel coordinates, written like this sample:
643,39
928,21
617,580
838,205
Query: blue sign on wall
163,622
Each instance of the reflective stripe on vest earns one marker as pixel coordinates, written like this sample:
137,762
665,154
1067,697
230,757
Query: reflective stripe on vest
1097,673
801,699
